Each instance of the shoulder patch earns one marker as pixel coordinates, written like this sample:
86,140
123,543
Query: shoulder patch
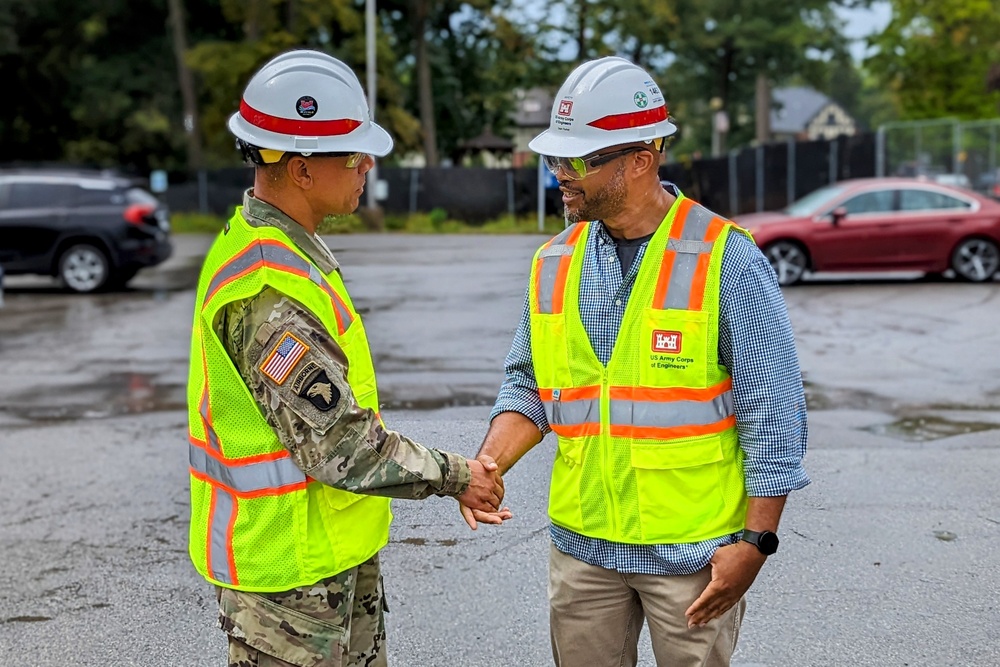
280,361
321,392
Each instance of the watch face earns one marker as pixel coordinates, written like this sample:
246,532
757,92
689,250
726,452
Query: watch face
767,543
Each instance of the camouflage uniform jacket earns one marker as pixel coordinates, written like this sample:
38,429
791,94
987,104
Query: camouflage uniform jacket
348,448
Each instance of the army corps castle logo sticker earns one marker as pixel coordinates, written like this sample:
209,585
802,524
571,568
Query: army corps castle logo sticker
306,106
640,100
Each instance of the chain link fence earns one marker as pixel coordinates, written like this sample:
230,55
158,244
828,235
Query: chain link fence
947,150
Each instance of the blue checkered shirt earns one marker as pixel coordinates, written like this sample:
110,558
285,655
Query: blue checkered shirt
756,345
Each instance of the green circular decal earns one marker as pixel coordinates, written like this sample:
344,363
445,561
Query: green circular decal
640,99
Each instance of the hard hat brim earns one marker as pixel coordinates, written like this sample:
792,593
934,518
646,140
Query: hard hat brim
373,139
558,144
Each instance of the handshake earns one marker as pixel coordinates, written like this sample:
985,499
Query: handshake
480,502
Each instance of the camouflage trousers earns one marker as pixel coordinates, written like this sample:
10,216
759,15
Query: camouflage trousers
336,622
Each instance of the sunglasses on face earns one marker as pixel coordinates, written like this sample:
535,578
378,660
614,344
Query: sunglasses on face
578,168
353,158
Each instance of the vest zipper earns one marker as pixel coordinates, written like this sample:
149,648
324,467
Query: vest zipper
608,449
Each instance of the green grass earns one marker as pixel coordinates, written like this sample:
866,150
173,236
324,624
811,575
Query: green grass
434,222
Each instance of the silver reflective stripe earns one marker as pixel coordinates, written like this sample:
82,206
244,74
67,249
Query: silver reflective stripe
548,273
247,478
696,224
274,255
213,439
345,315
672,413
573,412
556,251
550,257
316,276
225,506
691,247
685,262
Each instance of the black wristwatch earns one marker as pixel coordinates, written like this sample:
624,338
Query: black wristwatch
765,541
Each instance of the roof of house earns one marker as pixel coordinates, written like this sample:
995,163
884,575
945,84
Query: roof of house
795,107
487,141
534,107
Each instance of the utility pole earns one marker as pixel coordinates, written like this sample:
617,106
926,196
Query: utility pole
372,89
186,82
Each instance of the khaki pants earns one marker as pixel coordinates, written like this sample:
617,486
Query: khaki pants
336,622
595,616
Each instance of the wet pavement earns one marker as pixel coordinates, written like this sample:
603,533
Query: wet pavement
888,558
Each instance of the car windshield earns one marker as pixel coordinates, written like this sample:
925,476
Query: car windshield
820,199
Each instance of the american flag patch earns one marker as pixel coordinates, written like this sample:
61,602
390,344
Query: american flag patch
283,357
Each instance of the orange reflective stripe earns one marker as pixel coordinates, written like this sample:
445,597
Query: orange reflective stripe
670,394
704,259
671,432
571,393
576,430
680,217
669,256
551,270
258,493
562,274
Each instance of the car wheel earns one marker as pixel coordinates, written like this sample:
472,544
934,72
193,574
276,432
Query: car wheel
975,260
83,268
789,261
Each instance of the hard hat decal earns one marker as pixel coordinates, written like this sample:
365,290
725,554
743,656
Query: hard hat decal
306,128
306,106
640,100
620,121
565,108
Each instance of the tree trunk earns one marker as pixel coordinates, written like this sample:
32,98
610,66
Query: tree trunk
424,91
581,40
763,108
186,81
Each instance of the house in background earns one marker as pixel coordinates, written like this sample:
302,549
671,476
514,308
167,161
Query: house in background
532,110
805,114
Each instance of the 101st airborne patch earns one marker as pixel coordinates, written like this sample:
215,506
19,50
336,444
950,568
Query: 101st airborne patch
278,364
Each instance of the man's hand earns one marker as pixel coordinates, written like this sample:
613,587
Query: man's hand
734,567
485,491
472,516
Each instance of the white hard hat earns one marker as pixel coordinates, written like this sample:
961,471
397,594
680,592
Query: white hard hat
604,102
308,102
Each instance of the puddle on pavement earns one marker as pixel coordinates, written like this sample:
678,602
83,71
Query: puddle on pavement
924,429
115,395
27,619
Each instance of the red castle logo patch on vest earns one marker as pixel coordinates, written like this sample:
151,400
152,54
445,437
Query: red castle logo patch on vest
667,341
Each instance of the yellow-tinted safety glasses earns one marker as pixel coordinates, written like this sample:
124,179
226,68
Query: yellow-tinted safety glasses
578,168
353,159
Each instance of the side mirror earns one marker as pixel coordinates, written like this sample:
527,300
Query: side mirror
838,214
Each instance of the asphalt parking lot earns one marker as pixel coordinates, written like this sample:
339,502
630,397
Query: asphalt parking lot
888,558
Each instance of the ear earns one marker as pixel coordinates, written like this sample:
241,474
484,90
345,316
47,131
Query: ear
646,161
298,172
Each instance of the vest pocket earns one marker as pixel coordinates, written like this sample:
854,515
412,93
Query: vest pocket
679,488
673,348
564,492
549,346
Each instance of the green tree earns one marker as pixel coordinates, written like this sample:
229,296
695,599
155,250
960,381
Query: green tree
721,46
935,56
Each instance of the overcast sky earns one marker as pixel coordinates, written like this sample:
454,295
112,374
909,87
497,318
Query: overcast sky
864,22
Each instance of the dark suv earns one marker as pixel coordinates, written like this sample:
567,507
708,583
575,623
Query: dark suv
90,229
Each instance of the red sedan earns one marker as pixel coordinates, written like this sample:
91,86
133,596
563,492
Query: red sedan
882,224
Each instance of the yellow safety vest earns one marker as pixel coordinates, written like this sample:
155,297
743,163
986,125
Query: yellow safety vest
648,450
257,522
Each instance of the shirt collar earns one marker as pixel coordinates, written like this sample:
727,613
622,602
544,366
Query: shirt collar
604,237
259,213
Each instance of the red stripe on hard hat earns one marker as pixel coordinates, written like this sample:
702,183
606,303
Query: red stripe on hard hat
310,128
620,121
